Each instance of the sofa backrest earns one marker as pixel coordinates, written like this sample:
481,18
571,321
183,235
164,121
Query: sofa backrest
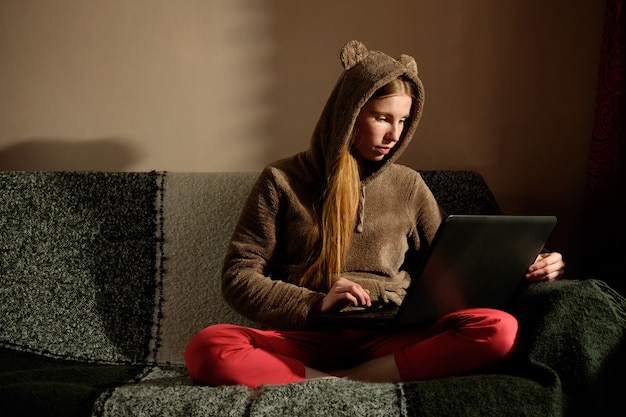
199,212
125,267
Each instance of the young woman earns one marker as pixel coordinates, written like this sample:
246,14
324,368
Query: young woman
339,225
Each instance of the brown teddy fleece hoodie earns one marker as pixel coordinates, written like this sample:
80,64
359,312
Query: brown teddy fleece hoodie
398,215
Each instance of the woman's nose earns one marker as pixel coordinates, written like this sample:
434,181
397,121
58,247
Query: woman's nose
394,133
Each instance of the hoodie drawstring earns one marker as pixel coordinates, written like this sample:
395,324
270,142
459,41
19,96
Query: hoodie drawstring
361,212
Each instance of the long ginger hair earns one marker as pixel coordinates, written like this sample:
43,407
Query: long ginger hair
329,240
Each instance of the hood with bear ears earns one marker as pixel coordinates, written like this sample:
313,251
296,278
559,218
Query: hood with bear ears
364,72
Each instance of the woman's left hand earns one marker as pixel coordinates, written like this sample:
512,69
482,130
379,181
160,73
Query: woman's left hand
547,267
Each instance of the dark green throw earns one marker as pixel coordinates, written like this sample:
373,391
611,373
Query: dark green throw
77,261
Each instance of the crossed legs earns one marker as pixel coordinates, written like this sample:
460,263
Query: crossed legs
459,343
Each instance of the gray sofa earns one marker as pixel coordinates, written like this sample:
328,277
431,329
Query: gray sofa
104,277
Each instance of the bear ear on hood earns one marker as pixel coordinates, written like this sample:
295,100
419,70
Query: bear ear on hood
409,63
352,53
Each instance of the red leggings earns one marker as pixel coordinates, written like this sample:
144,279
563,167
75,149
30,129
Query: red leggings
459,343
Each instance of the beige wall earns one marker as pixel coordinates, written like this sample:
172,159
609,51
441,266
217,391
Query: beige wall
219,85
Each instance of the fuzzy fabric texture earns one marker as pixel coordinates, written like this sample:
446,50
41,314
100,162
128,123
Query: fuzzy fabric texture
397,215
77,264
270,238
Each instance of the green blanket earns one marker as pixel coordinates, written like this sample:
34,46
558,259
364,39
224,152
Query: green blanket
77,264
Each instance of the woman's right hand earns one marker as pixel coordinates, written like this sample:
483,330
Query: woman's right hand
344,293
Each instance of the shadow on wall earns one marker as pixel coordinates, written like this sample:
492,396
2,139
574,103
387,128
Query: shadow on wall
107,154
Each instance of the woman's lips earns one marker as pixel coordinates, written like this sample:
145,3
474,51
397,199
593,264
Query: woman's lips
383,150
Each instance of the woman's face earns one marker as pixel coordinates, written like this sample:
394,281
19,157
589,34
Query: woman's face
379,125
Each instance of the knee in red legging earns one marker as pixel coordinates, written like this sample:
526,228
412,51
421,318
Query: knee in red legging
461,342
493,331
229,355
207,352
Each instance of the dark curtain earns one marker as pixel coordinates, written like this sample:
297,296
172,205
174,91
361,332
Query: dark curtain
605,207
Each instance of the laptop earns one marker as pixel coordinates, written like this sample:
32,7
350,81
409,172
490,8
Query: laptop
473,261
